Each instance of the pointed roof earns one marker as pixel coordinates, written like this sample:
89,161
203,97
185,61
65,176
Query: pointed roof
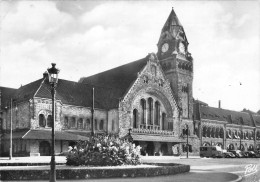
172,28
172,20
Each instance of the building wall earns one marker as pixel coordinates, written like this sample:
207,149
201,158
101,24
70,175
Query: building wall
113,124
20,117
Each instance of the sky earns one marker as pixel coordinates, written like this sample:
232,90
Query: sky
86,37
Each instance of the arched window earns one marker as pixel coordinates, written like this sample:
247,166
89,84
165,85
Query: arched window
80,123
251,148
88,124
135,117
163,121
258,135
212,134
217,132
251,137
66,120
73,122
101,125
247,135
157,113
232,134
150,111
113,125
49,121
221,133
208,131
242,148
231,147
240,134
42,122
235,134
143,106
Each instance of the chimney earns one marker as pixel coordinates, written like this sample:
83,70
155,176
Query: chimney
45,74
219,104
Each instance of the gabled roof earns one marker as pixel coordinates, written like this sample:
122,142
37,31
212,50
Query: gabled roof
232,117
5,95
119,78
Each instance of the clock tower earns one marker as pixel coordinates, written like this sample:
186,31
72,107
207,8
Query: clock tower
177,62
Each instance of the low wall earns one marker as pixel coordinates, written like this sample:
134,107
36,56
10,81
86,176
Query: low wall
68,172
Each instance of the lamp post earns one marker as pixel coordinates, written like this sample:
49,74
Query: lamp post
92,113
11,130
187,132
53,80
240,137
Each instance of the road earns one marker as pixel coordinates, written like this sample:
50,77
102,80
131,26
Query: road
202,169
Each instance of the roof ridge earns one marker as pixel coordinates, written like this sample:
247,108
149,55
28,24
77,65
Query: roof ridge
121,66
39,87
226,109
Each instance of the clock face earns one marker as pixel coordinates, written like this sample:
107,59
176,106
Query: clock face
181,47
165,47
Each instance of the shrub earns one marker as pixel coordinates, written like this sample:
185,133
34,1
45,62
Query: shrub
104,151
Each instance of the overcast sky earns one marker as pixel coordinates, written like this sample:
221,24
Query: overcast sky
87,37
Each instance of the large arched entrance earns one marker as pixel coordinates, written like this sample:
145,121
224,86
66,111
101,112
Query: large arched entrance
45,148
150,148
164,149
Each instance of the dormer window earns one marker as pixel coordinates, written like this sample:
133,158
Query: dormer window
145,79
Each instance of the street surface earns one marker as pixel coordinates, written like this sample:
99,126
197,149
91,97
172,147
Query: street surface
202,169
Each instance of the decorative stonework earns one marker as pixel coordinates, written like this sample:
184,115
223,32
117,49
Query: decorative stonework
152,83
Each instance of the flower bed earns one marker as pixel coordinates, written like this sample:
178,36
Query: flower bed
103,151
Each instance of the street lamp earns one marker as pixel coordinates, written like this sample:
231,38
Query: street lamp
240,136
11,128
53,80
187,132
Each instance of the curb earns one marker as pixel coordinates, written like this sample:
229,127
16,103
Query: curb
156,169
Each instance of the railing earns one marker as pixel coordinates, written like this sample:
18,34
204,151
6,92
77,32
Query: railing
151,129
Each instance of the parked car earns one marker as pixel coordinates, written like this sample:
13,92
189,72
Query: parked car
257,153
237,153
211,151
245,154
251,154
228,155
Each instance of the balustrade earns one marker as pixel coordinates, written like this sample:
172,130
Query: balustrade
151,129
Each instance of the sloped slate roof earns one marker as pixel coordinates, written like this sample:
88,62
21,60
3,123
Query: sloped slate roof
6,95
120,78
27,92
79,94
232,117
257,119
